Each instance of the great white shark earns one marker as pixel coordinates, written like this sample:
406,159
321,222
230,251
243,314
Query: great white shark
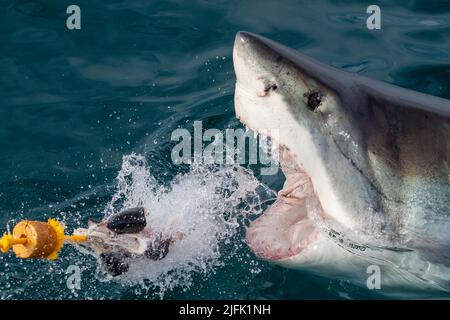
367,171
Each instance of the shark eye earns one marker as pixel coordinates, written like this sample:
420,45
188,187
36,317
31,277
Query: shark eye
315,99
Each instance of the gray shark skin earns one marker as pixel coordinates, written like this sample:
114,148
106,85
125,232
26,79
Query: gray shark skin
367,171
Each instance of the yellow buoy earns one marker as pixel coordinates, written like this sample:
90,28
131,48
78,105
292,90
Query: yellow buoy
40,236
36,239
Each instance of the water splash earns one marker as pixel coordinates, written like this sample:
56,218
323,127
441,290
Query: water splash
209,205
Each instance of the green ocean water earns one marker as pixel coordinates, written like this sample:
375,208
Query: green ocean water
74,103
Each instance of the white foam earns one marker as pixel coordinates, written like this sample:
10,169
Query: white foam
208,205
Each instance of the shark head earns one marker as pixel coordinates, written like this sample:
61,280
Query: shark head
279,89
351,150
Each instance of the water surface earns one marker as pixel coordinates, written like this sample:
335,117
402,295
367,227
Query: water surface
73,104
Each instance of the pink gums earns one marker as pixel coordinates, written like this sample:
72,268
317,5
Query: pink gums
284,229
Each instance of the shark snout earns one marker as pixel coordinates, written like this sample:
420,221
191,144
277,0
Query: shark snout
243,40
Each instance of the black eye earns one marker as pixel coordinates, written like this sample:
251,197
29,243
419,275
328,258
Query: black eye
315,99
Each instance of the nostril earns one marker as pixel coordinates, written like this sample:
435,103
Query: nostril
270,87
267,89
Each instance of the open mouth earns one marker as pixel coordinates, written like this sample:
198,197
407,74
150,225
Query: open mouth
285,229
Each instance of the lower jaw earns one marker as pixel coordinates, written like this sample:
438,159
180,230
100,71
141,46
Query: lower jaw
285,230
274,236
